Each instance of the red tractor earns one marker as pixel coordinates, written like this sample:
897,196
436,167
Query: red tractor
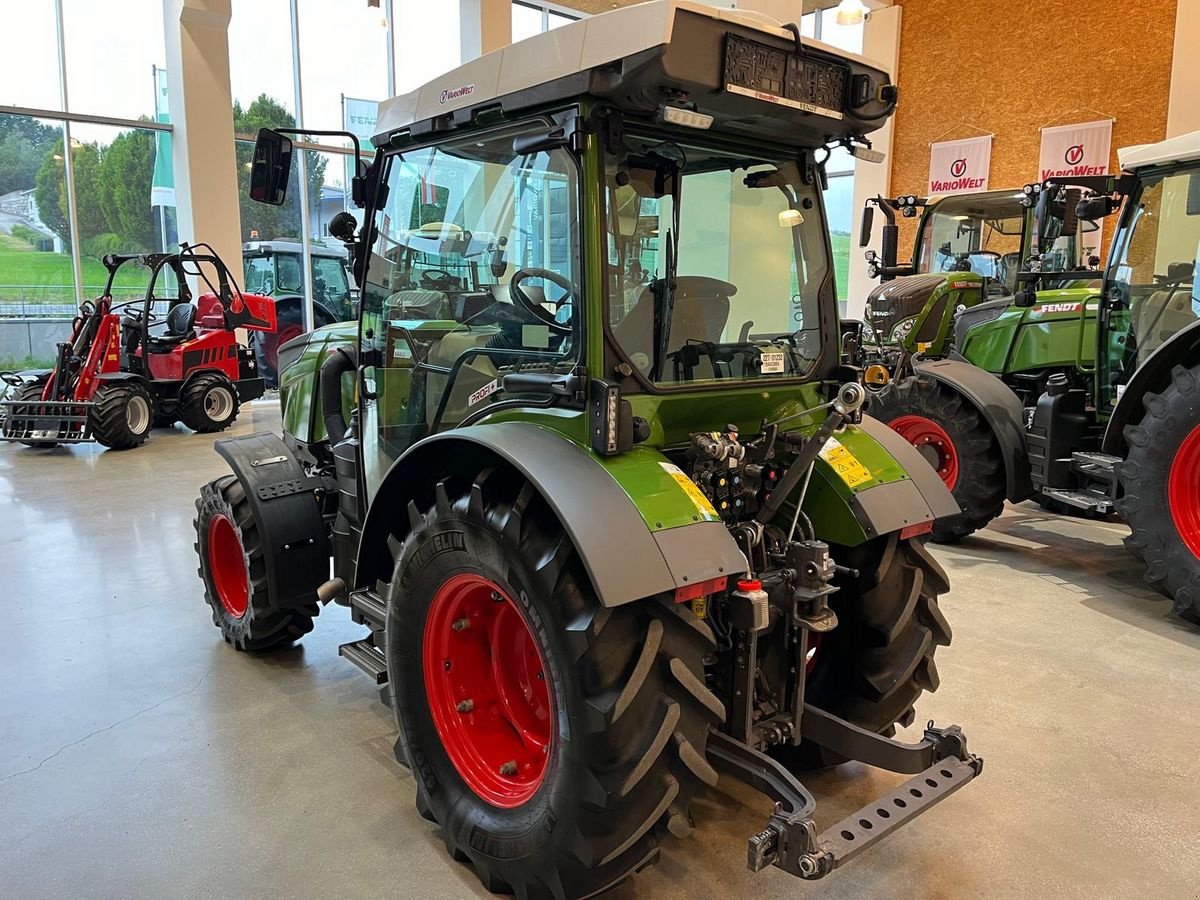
125,370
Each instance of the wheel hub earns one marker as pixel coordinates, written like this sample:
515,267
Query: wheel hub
137,414
227,563
933,443
1183,491
218,404
485,681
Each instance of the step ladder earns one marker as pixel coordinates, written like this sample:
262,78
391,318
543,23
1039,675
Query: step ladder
368,608
1099,472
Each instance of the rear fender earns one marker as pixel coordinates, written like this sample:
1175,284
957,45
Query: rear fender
999,407
295,538
1152,376
626,557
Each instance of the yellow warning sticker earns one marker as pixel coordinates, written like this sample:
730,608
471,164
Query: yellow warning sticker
689,487
847,466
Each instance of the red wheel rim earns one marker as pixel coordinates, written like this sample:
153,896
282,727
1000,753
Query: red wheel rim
1183,491
485,680
227,563
282,336
935,445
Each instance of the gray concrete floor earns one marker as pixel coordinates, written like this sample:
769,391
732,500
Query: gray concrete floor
141,757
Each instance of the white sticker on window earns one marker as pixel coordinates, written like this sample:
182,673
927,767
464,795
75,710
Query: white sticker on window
483,393
535,337
772,362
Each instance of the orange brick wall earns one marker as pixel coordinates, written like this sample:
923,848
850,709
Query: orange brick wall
1010,66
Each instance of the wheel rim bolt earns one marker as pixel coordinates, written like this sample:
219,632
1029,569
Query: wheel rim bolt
497,597
465,706
460,624
509,768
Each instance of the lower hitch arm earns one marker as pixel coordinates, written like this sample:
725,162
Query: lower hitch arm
790,840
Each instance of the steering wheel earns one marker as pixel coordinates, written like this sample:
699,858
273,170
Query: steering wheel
438,280
537,310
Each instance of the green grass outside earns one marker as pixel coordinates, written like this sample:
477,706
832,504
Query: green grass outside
841,264
32,277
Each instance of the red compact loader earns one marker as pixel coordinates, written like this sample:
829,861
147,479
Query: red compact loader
124,370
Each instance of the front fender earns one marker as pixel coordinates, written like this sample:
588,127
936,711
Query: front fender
637,528
1001,410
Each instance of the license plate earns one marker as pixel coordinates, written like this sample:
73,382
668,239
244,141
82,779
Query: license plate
787,79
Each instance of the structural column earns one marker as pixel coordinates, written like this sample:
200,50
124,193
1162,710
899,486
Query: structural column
881,45
201,103
486,25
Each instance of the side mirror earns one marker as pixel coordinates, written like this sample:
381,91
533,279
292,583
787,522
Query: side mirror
270,168
1070,224
868,219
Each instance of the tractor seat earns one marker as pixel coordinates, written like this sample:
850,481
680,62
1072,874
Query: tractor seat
180,327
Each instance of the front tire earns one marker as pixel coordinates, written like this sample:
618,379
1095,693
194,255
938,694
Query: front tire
208,403
1161,498
123,415
31,392
955,439
234,572
622,710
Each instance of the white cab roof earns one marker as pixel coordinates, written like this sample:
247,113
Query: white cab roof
563,51
1183,148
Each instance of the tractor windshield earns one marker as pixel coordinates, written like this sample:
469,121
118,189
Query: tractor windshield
716,264
1153,289
975,233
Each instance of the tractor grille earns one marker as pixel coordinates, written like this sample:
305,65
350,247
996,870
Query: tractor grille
46,421
894,301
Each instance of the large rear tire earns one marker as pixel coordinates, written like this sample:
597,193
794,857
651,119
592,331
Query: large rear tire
621,710
208,403
289,324
234,572
955,439
875,665
1161,491
123,415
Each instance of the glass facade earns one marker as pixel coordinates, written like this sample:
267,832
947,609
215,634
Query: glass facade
71,188
530,18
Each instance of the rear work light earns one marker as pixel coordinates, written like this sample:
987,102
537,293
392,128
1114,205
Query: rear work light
688,118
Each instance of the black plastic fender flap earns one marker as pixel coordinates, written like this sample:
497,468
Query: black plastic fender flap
287,513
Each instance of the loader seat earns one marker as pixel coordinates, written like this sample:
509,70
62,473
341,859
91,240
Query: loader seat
180,327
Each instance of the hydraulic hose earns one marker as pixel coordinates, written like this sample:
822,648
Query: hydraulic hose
337,364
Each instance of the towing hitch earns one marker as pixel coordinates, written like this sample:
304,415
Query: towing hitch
939,763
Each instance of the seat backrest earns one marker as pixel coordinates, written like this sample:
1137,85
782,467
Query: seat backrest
181,318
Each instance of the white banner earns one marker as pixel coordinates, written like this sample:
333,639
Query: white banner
960,167
358,118
1075,150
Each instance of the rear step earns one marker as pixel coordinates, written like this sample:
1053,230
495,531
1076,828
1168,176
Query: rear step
1096,466
368,608
367,657
1090,500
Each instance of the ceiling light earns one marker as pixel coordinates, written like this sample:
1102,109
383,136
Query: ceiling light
851,12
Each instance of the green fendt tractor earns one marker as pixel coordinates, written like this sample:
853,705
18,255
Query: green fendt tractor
969,251
590,469
1084,398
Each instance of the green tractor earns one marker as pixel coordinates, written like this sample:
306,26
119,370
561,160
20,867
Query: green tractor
969,251
1085,398
590,469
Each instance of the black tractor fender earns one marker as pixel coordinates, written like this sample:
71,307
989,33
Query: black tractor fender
999,407
624,559
287,511
1152,376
